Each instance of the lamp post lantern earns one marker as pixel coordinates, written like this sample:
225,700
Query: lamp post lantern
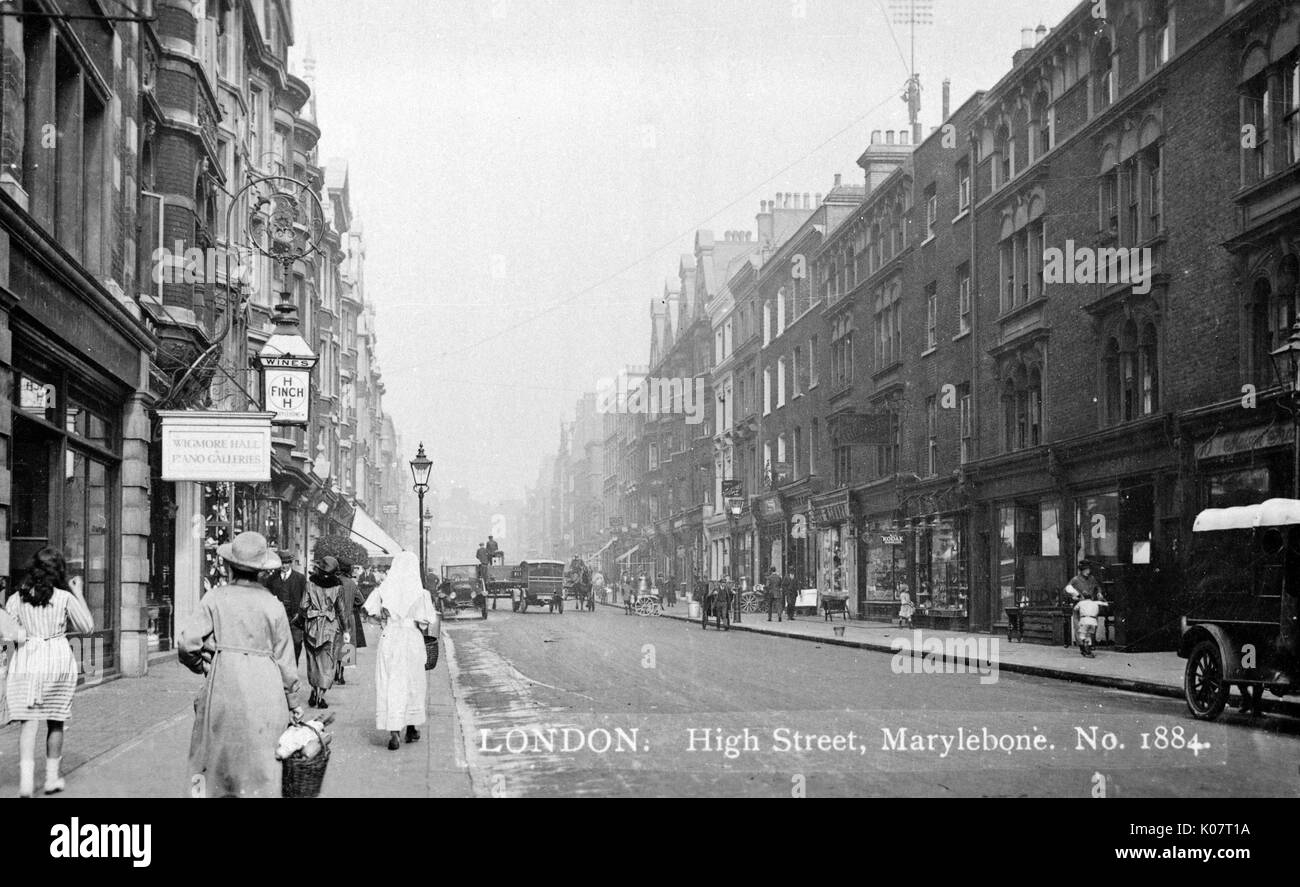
286,223
421,466
1286,363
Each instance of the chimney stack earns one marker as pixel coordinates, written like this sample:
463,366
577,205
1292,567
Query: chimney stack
1026,47
837,180
764,222
1026,38
947,96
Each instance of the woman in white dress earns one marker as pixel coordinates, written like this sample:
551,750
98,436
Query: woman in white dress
405,610
43,673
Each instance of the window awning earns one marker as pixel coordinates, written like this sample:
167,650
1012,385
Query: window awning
604,548
379,545
622,558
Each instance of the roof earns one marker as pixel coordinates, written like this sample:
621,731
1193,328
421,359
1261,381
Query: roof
1273,513
542,560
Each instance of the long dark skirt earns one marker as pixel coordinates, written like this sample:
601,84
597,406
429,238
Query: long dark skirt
358,635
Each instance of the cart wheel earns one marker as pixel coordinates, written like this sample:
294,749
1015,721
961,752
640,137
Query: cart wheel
1205,686
646,606
750,602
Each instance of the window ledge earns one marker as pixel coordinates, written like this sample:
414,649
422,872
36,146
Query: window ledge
961,335
928,240
961,215
927,352
1022,308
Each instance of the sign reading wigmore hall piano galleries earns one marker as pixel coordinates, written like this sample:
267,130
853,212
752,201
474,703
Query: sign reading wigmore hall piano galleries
216,446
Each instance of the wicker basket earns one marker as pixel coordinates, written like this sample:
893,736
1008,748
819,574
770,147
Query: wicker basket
430,653
302,777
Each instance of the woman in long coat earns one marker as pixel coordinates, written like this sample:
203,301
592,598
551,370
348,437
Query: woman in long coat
405,610
240,640
327,618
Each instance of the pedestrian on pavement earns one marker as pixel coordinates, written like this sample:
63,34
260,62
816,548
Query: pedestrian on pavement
241,642
343,640
905,608
405,610
790,588
1087,611
671,584
327,614
775,595
1082,587
289,586
43,673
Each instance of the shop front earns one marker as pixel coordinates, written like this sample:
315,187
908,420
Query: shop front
772,531
74,442
717,534
940,571
834,538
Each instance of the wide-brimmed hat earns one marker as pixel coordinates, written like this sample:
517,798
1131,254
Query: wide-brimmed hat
250,551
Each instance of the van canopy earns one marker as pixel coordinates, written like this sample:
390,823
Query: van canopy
1273,513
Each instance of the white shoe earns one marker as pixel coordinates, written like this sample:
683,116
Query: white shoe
54,783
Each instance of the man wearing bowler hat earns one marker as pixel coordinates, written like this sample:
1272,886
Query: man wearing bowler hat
289,586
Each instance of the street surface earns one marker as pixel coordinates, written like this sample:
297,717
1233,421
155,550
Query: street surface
660,699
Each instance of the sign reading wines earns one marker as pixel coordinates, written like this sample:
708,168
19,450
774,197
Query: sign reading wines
287,389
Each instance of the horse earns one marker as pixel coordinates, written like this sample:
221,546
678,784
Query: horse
718,605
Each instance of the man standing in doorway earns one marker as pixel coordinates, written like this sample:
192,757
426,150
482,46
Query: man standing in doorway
289,586
790,586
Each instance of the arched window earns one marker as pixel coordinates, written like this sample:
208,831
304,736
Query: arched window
1041,125
1103,75
1149,371
1002,152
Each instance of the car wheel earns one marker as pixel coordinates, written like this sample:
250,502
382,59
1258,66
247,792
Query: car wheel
1205,686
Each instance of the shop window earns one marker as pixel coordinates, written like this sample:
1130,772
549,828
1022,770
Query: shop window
1116,526
1249,486
941,574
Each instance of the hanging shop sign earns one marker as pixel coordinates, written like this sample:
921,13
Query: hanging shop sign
286,388
216,446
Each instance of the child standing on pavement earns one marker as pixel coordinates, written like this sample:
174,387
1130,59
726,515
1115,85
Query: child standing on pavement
905,608
1088,610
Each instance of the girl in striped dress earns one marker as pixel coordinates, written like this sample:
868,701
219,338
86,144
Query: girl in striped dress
43,673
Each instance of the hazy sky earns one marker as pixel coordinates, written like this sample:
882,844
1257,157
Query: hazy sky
528,174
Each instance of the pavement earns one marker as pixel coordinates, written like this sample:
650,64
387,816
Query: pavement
1156,674
130,738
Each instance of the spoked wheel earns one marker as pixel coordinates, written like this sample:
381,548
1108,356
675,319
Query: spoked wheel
646,606
1205,685
751,602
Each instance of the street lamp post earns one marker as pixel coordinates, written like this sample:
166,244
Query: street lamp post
1286,363
420,468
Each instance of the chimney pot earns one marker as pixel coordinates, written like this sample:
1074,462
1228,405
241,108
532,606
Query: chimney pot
806,199
947,93
889,137
875,137
818,198
904,137
837,180
1026,38
1040,32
